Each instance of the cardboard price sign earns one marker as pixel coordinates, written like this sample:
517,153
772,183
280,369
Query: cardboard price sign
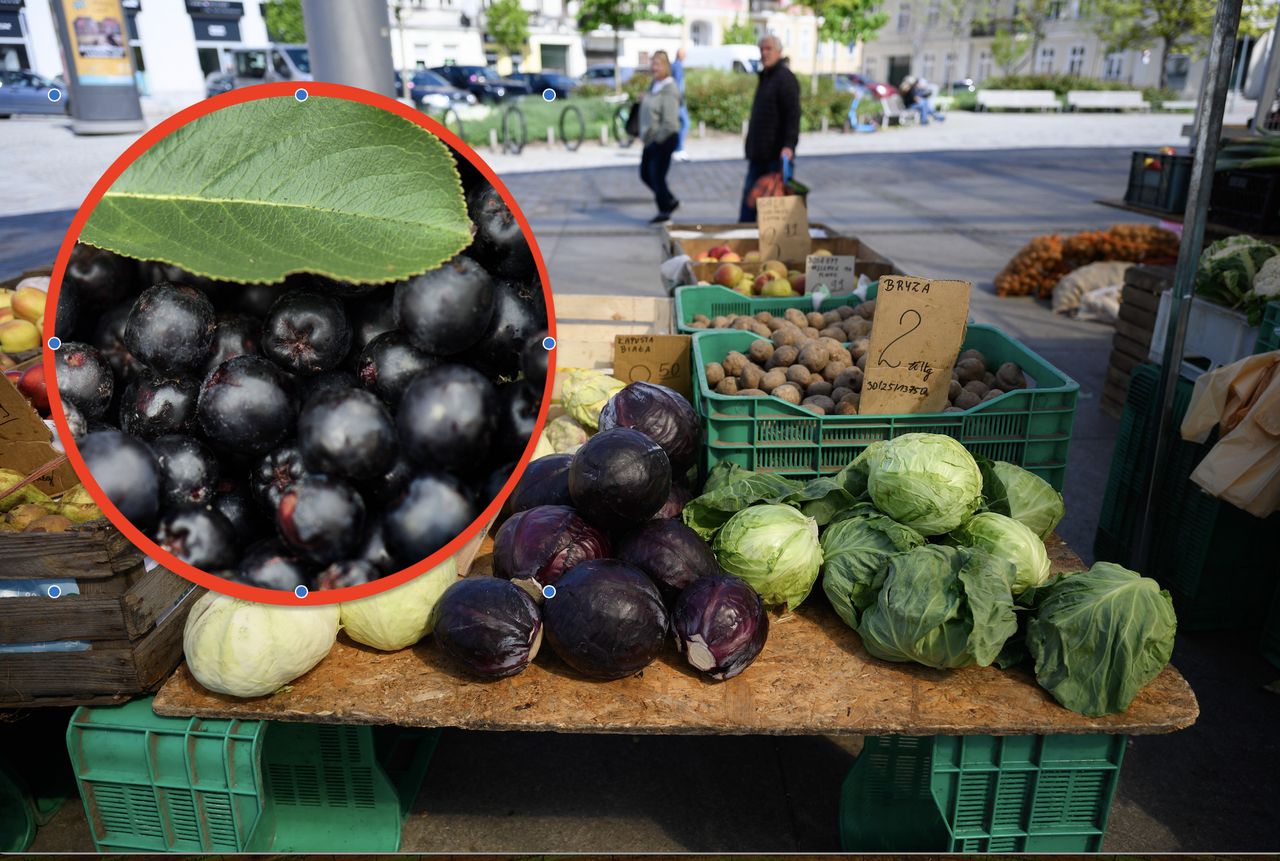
784,228
664,360
834,271
24,443
916,333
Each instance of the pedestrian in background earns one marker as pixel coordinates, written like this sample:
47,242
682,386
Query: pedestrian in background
660,133
677,72
774,127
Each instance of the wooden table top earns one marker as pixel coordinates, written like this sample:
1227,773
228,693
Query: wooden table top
813,678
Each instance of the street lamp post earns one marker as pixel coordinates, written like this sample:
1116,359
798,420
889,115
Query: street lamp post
350,43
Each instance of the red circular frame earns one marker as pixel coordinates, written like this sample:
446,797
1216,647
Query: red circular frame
146,141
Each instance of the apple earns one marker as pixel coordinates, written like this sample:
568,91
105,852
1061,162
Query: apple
706,258
718,251
751,257
743,287
822,252
28,303
6,313
18,336
764,278
6,297
778,287
727,274
797,282
776,266
33,388
730,257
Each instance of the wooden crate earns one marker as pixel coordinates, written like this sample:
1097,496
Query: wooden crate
739,237
1138,303
586,325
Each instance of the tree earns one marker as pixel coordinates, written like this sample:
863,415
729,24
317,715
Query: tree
1124,25
739,33
1008,50
507,23
284,21
1031,18
620,15
960,20
846,22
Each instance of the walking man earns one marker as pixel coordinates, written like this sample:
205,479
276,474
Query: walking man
774,127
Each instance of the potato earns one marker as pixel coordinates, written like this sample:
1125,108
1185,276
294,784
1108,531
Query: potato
813,408
734,363
969,370
978,387
989,378
992,393
856,327
859,346
798,374
699,324
727,386
953,410
862,363
831,333
833,370
701,318
1010,377
815,319
846,408
776,323
715,373
795,315
750,377
810,332
773,379
954,389
845,311
763,317
855,399
762,330
967,400
742,324
831,318
760,352
866,310
783,357
839,393
787,336
814,356
789,392
720,322
972,354
752,393
823,401
819,388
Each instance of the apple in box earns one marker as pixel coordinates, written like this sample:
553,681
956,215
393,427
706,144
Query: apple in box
718,251
727,275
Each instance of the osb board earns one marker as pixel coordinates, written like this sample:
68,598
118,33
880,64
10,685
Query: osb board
812,678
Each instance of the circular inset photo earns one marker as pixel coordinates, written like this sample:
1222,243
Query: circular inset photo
299,347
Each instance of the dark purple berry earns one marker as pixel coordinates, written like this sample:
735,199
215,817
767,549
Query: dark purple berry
108,337
75,420
270,564
389,363
243,514
201,537
256,300
374,549
235,335
497,480
433,511
67,315
347,433
171,328
84,378
276,473
154,272
306,333
500,243
517,417
349,572
516,318
321,518
126,471
448,418
188,471
371,315
446,310
245,405
153,406
533,363
390,484
98,277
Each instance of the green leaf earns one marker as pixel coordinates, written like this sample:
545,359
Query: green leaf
262,189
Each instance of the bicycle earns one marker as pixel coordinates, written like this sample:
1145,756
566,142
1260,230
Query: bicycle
515,132
573,142
621,117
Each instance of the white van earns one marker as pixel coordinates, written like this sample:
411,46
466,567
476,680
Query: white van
726,58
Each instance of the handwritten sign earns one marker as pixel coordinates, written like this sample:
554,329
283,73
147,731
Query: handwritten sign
916,333
833,271
784,228
664,360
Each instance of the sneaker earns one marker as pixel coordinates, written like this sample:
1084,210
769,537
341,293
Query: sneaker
660,218
680,155
674,206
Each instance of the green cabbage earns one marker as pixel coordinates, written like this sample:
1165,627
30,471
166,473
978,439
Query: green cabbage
943,607
1026,497
1227,271
854,553
399,617
929,482
583,394
247,649
1010,540
775,549
730,489
1100,635
827,498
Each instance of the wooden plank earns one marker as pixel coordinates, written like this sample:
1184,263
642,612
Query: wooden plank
1130,347
1140,317
151,597
813,678
71,617
155,656
97,552
1133,297
1123,363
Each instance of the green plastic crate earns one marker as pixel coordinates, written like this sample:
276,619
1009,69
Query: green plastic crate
17,816
1269,329
980,794
714,301
152,783
1029,427
1217,561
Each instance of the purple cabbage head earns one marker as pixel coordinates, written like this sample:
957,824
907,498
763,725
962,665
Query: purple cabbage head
535,547
489,626
660,413
720,625
672,554
545,482
677,499
619,478
606,619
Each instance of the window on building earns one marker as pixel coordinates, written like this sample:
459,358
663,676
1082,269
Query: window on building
1054,12
1044,62
934,14
949,69
926,66
904,17
1084,8
1076,65
700,33
1113,69
984,65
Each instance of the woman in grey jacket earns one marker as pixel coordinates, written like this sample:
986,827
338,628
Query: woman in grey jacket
659,127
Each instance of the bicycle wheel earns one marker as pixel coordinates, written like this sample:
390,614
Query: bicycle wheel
450,120
620,117
572,134
515,133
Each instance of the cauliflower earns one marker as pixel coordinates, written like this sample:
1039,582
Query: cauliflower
1267,282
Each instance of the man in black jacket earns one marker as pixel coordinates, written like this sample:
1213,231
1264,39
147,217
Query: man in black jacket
775,120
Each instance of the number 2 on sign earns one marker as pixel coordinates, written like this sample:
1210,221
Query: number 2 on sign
902,321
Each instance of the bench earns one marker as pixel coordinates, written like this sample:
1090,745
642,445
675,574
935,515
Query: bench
1107,100
1018,100
1178,105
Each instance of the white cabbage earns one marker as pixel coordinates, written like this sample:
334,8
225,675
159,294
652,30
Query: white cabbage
399,617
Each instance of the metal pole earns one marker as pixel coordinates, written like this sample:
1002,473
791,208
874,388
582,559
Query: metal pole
350,43
1213,99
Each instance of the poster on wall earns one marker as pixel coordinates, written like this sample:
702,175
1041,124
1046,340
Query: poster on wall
99,42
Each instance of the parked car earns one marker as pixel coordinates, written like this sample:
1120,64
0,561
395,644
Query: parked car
24,92
429,90
272,63
483,83
540,82
726,58
218,82
965,85
846,83
603,75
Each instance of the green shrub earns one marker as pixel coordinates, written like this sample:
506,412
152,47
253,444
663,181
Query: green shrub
539,115
722,100
1060,84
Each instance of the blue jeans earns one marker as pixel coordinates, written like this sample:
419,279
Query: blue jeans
756,168
655,161
684,127
924,107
